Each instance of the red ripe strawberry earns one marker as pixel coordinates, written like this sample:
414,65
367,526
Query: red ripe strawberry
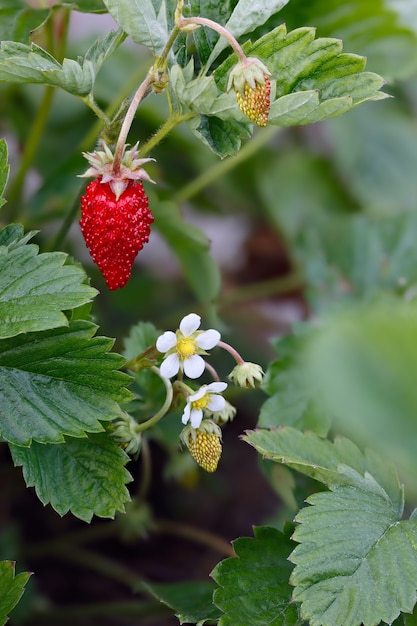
115,229
115,218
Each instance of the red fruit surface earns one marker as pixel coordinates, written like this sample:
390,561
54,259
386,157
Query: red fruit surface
115,229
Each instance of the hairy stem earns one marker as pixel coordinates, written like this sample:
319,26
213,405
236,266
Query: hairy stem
204,21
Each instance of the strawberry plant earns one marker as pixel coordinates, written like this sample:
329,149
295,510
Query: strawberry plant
146,391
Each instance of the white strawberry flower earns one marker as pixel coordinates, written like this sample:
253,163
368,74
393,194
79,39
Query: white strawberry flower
206,398
183,348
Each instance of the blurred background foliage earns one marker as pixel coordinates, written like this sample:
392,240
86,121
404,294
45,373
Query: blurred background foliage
313,232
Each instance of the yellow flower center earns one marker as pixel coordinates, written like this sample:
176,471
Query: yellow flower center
186,347
202,403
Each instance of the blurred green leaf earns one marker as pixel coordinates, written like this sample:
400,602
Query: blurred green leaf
84,476
18,20
35,288
192,248
253,586
246,16
191,601
86,6
59,382
4,170
334,464
353,550
368,27
380,165
11,588
293,400
141,336
224,138
139,19
315,80
364,364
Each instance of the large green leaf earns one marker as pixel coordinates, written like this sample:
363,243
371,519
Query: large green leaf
254,588
356,562
35,288
246,16
191,601
59,382
11,588
372,28
222,136
335,464
139,19
18,20
84,476
191,247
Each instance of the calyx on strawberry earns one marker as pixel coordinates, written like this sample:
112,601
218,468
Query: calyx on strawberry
115,216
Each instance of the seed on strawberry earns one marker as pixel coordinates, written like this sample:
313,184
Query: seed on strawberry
115,229
206,449
255,102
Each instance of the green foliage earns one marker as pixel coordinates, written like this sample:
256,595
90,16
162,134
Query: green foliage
84,476
4,169
59,382
20,63
18,20
36,289
253,586
11,588
191,601
353,544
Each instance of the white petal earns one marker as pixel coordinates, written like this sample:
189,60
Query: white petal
186,413
189,324
170,366
208,339
216,387
217,403
166,341
196,417
194,366
198,394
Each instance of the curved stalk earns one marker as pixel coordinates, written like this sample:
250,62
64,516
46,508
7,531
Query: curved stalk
164,408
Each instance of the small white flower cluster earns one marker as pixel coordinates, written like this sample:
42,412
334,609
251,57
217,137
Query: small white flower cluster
183,351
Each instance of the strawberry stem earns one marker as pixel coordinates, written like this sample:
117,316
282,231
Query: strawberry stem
164,408
204,21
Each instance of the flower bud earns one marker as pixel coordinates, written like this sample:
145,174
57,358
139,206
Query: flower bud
247,375
125,431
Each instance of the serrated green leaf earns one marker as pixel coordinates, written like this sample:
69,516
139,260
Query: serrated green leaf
334,464
191,601
353,550
104,47
35,288
84,476
59,382
18,20
139,19
246,16
191,247
141,336
192,95
31,64
368,27
254,588
11,588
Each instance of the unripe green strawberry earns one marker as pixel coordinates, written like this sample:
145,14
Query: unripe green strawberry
206,450
255,101
115,229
